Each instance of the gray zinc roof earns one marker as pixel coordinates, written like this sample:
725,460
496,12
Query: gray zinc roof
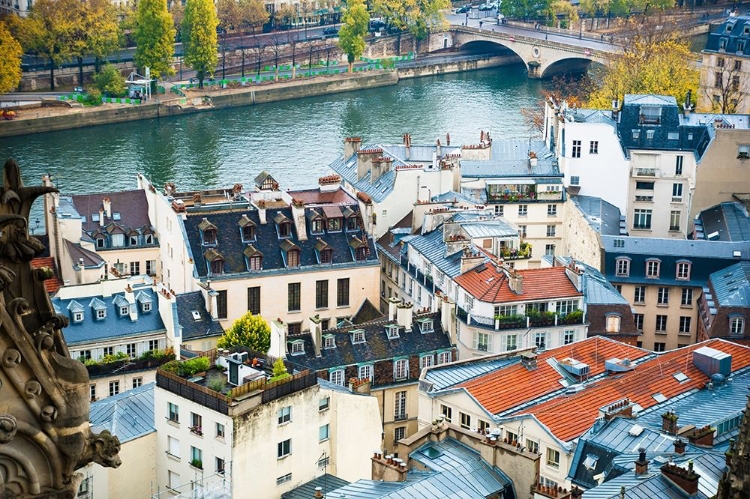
732,285
128,415
510,158
454,374
726,222
432,247
490,228
602,216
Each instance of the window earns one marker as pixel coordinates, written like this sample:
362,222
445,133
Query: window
153,345
569,337
288,477
650,114
298,347
256,263
638,321
549,250
662,297
219,464
594,147
78,317
135,268
342,292
292,258
426,361
221,304
401,369
465,420
674,220
736,326
137,382
661,323
683,270
650,134
735,83
660,347
317,226
522,231
575,180
217,266
365,372
399,406
285,229
329,341
551,230
358,336
174,480
444,358
173,412
108,351
684,325
484,426
324,403
618,287
323,432
677,192
173,447
511,342
219,430
499,210
540,340
321,294
644,186
101,314
640,294
636,134
553,458
687,297
114,388
642,219
92,392
512,437
523,210
447,412
285,414
551,210
334,225
482,342
151,267
293,300
398,433
284,448
336,377
652,268
613,323
253,300
678,166
622,267
718,79
576,151
118,240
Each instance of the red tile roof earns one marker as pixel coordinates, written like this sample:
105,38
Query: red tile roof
514,385
53,284
489,284
315,196
570,416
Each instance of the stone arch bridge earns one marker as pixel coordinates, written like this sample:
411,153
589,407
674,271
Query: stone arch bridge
543,57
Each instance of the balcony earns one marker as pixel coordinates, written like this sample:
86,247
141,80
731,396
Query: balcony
507,322
644,172
401,416
644,199
523,253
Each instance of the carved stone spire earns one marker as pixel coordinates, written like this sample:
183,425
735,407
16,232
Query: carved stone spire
44,400
735,481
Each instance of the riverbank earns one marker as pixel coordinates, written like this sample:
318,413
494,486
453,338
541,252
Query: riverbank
38,120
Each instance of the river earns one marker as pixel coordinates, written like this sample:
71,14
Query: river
293,140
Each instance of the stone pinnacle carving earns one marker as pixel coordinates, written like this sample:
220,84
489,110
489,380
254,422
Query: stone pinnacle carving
44,400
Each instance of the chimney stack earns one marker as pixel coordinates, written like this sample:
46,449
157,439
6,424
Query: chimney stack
470,260
364,161
392,307
351,146
641,465
576,493
318,493
107,205
316,332
515,281
615,109
404,315
447,139
438,148
679,446
686,479
101,217
669,423
407,144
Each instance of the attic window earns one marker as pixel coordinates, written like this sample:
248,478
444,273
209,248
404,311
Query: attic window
650,115
361,254
590,462
358,336
636,134
329,341
123,311
133,240
100,242
77,316
392,331
146,306
217,267
196,315
292,258
334,224
613,323
298,347
673,136
209,236
256,262
317,226
248,233
326,256
101,314
351,224
659,397
619,243
681,377
426,326
285,229
149,239
649,134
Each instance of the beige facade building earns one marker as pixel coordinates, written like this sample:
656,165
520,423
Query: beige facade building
725,72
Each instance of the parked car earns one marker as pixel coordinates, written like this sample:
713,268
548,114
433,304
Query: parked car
376,25
464,10
485,7
330,32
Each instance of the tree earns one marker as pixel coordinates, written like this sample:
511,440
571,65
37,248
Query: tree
279,371
284,15
276,48
293,44
178,15
10,60
199,37
101,28
647,67
229,13
154,37
251,331
352,33
563,9
254,14
258,50
730,87
109,81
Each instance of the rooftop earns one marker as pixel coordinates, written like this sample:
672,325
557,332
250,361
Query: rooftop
602,216
730,37
510,159
719,121
732,285
489,283
194,319
723,222
128,415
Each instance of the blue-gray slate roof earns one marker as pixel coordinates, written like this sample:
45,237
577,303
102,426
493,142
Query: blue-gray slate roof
432,247
202,327
664,132
444,377
113,325
724,222
732,285
231,246
602,216
128,415
510,158
731,37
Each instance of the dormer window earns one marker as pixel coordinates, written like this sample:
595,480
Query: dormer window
285,229
145,300
78,317
392,331
99,307
247,229
622,267
683,271
359,248
352,224
76,311
215,261
124,311
323,251
146,307
101,314
149,239
329,341
208,232
334,224
636,134
100,242
361,254
426,326
254,259
297,347
650,115
133,240
118,240
358,336
317,226
613,323
326,256
217,267
293,258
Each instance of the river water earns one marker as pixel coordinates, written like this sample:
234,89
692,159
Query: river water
294,140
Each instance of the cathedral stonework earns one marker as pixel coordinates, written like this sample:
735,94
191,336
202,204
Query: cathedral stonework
44,401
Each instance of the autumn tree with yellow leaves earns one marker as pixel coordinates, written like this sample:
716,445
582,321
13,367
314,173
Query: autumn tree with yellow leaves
10,60
647,67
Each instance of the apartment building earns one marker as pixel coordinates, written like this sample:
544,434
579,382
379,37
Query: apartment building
724,71
198,329
383,358
97,236
230,431
123,329
521,181
723,307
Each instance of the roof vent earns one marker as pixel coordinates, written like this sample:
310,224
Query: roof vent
196,315
635,430
736,254
616,365
574,389
575,367
711,361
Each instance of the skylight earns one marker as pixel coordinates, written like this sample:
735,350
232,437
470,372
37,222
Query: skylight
196,315
635,430
659,397
681,377
590,462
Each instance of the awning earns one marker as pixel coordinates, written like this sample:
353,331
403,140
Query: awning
332,212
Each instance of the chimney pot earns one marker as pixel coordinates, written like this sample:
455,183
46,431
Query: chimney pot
641,465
